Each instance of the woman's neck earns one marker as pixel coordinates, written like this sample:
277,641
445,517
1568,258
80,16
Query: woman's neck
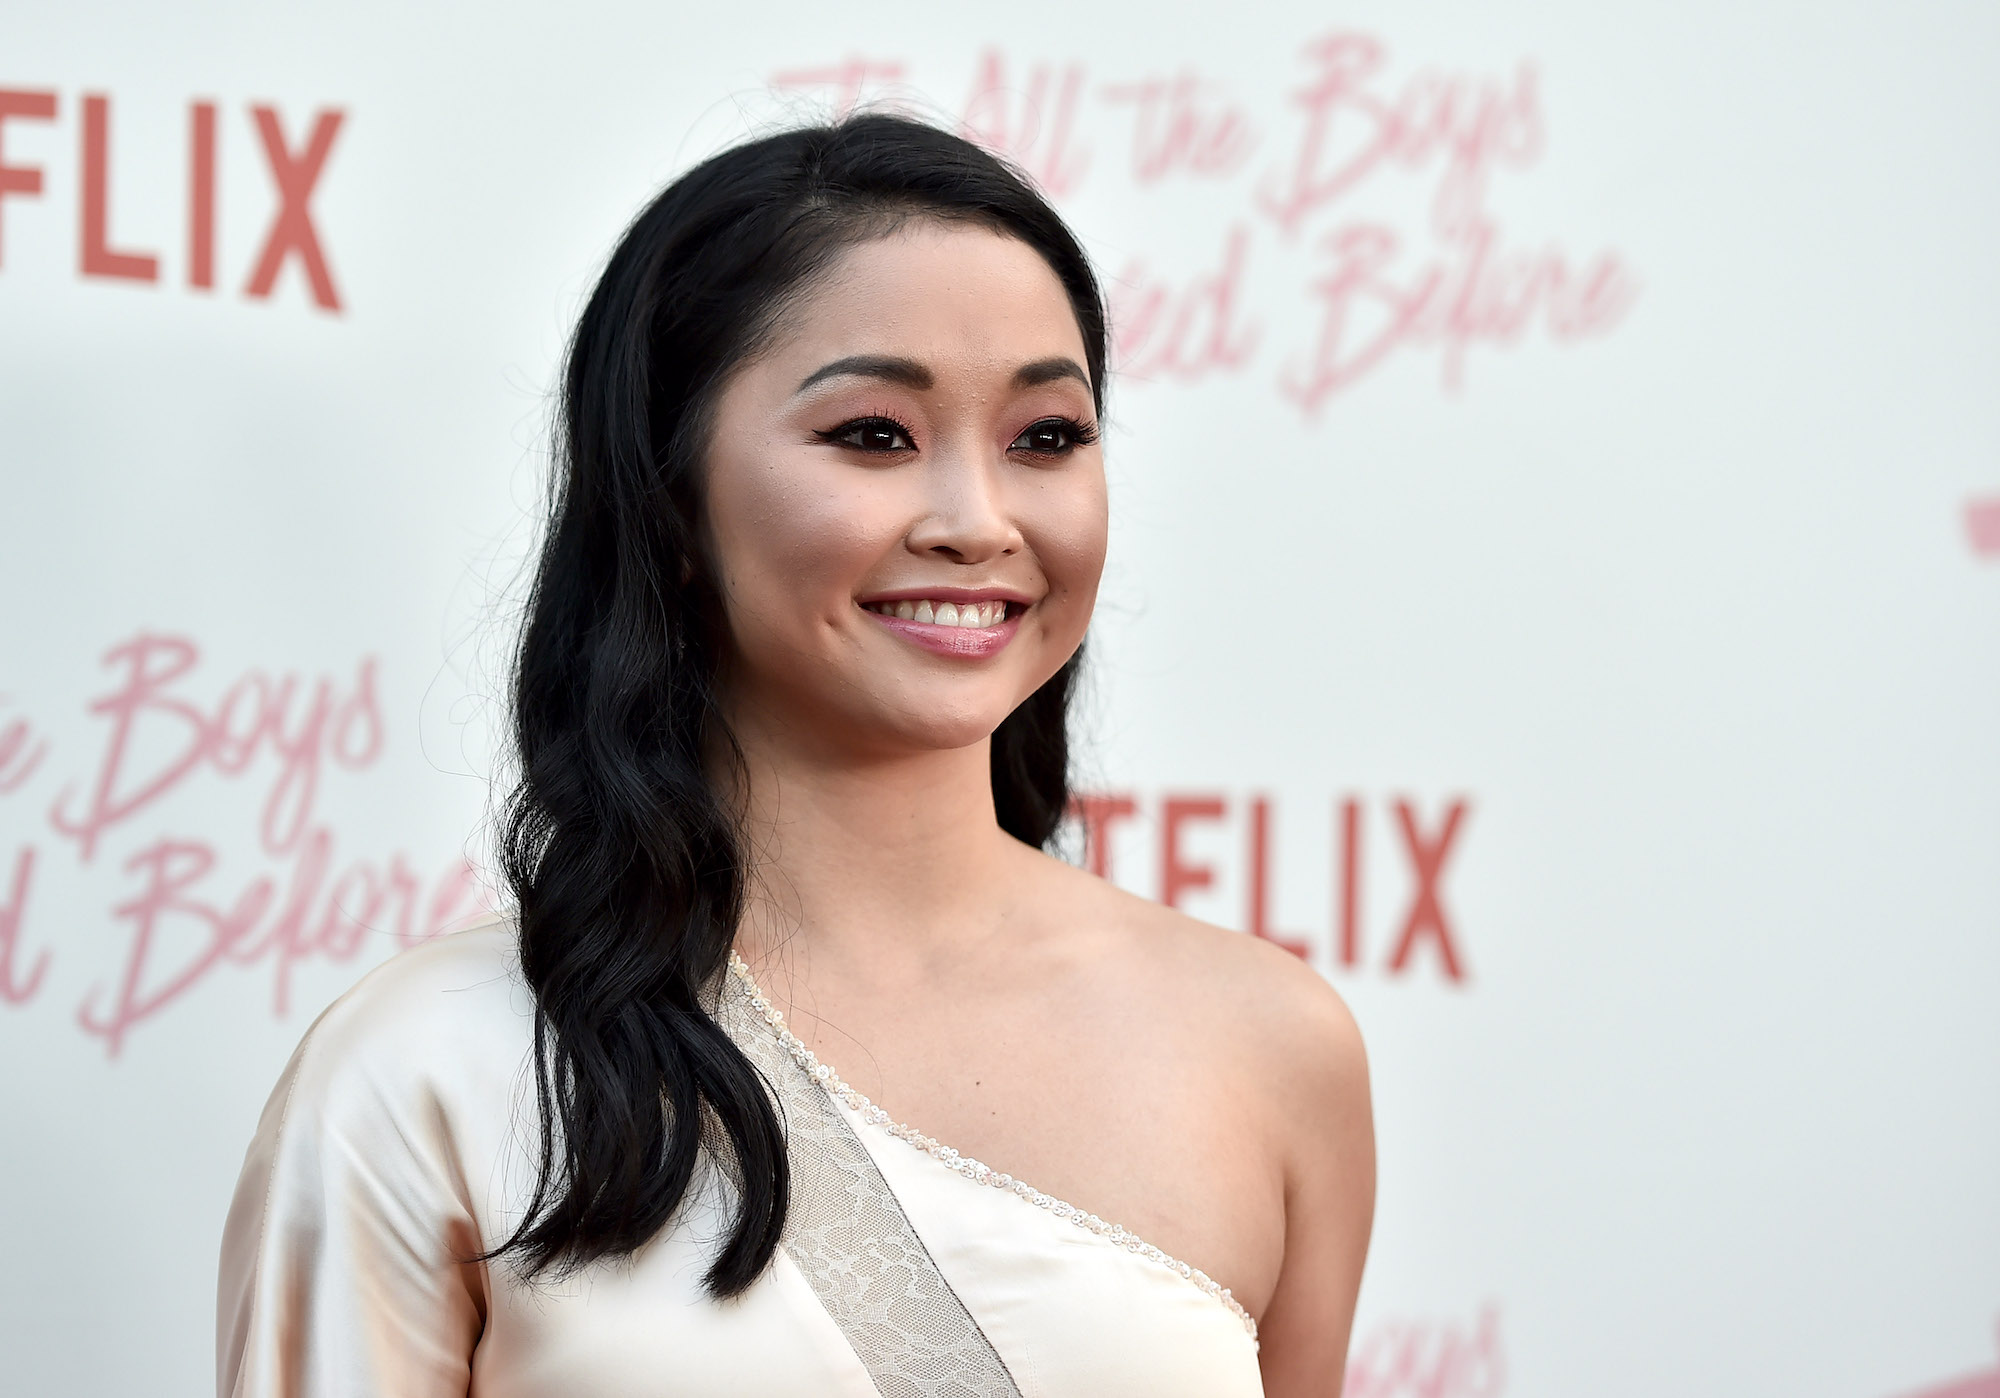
870,859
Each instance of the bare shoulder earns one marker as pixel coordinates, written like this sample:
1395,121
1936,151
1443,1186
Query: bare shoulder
1251,1001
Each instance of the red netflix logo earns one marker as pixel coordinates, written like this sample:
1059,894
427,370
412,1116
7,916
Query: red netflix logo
1422,934
293,166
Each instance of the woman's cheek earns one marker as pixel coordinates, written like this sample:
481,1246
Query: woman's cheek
835,541
1070,536
801,551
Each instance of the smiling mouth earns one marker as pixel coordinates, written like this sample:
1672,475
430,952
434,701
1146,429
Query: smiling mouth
969,616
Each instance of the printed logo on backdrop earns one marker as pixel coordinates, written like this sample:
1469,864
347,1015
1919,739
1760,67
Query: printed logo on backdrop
290,169
1447,1358
1370,195
1201,840
1982,526
1985,1383
1428,1358
169,735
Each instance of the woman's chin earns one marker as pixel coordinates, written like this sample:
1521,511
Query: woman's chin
939,729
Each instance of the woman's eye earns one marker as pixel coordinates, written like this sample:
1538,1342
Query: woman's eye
870,434
1052,436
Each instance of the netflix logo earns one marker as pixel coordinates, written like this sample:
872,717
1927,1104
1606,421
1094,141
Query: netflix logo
292,166
1204,844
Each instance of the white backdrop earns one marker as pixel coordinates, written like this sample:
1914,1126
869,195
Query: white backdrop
1556,469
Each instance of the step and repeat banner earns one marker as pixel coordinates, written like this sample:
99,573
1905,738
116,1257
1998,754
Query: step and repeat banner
1555,590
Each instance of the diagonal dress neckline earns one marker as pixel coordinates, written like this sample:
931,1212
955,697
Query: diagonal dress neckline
964,1165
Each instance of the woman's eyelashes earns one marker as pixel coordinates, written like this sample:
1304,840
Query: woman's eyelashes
1054,436
1048,438
877,435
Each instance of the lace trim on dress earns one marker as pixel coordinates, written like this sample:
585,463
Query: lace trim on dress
964,1165
848,1234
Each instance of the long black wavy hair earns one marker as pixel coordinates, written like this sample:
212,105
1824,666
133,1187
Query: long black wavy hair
619,841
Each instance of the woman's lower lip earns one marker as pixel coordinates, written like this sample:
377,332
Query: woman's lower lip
965,642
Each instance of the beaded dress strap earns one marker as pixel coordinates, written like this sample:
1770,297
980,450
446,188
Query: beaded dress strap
847,1233
965,1165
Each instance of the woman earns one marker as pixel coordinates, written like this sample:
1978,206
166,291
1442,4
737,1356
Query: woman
790,707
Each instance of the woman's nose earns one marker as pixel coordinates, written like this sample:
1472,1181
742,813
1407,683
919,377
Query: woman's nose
966,519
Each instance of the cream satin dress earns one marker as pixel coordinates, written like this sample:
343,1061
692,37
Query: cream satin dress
399,1140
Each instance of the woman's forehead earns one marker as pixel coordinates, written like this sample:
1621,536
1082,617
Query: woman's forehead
932,289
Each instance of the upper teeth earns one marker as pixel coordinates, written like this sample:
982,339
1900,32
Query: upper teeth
967,614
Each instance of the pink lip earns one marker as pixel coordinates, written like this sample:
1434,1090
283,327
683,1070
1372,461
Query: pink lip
963,642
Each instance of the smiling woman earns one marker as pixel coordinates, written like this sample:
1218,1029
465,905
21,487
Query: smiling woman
790,710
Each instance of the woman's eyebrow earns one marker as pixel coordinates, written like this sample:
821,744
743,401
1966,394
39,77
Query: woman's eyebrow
1048,371
906,372
910,374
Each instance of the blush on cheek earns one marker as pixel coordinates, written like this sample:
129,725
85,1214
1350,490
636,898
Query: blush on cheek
794,542
1069,541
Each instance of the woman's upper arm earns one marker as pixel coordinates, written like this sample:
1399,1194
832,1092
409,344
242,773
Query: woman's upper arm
343,1266
1329,1199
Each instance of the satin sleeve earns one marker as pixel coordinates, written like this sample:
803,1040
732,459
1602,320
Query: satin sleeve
344,1266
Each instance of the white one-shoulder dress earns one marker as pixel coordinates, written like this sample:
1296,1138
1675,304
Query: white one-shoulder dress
400,1141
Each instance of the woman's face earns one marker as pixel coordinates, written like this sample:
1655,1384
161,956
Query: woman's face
906,496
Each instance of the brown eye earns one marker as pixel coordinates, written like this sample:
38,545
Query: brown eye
872,434
1053,436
